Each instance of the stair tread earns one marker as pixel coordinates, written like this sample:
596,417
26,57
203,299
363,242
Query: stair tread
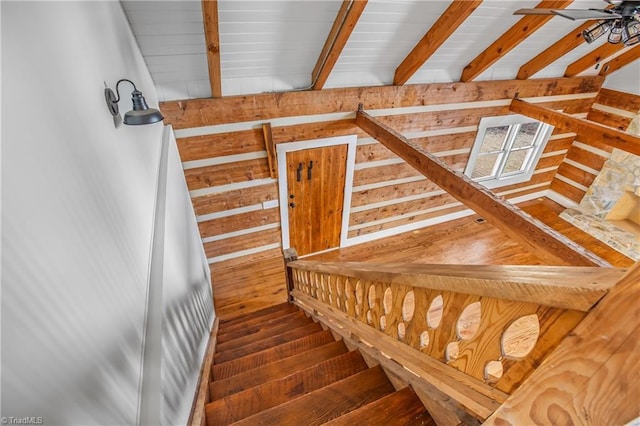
253,314
269,342
328,402
275,370
248,322
297,320
400,408
270,394
238,365
249,329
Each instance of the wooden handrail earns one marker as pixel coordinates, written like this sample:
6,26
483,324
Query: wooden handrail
494,324
567,287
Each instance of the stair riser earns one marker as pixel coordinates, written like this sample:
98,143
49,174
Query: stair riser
266,311
231,368
275,370
266,343
266,333
276,392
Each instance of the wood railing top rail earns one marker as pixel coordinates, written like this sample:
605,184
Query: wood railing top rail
567,287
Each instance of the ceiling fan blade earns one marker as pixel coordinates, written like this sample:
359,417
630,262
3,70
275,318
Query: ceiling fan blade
580,14
534,11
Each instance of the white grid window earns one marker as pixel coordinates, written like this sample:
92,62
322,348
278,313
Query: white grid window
506,150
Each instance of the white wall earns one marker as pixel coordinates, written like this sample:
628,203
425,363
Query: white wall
78,209
626,79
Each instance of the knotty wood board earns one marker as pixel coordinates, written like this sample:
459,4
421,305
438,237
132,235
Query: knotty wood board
223,174
228,200
238,222
609,119
233,109
569,191
310,131
220,144
234,284
621,100
567,287
241,242
592,377
575,174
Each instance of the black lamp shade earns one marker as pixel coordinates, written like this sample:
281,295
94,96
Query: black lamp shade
141,113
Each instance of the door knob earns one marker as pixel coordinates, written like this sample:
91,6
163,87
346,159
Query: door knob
292,205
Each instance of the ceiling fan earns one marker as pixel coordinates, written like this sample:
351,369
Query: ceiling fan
621,18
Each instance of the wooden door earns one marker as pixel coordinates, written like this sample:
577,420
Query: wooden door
315,184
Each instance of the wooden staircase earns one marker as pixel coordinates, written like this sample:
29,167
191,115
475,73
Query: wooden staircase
277,366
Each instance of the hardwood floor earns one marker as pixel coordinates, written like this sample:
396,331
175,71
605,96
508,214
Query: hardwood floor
462,241
242,288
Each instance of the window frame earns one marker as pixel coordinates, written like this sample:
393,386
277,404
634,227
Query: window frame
498,178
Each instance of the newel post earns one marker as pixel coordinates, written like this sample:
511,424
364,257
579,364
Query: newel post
290,255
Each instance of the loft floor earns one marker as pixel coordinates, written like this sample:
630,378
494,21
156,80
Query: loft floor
464,241
251,286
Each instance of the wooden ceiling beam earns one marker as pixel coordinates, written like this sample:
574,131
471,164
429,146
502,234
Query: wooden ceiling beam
592,58
544,242
212,38
554,52
267,106
620,61
526,26
586,131
449,21
341,30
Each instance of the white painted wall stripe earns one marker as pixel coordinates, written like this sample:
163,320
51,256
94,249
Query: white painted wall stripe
231,187
561,199
257,124
570,97
592,149
554,153
616,111
241,232
403,216
528,197
544,170
241,253
387,183
379,163
571,182
524,188
226,159
231,212
387,112
366,141
452,152
440,132
581,167
562,136
396,201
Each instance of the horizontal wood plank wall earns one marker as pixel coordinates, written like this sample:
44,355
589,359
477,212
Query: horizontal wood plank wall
225,161
388,193
583,162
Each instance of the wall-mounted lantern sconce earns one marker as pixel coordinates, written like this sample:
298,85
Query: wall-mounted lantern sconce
140,114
